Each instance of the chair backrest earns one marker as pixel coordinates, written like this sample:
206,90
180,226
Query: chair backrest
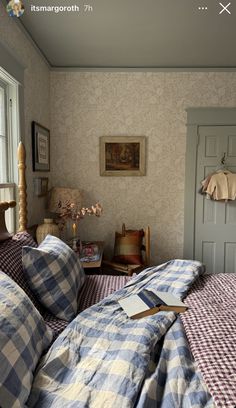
145,248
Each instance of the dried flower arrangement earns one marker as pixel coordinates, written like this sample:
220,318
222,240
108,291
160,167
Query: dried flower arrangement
71,212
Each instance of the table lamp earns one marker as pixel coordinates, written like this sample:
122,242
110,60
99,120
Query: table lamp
63,195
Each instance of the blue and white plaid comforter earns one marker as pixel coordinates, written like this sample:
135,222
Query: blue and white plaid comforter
104,359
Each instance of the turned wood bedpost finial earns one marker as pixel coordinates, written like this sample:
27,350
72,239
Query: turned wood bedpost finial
22,188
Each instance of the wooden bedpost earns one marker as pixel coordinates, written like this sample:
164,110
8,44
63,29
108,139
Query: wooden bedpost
4,205
22,188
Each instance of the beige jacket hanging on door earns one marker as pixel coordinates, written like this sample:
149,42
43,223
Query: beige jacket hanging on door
222,186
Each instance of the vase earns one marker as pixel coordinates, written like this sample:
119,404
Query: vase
76,241
48,227
79,245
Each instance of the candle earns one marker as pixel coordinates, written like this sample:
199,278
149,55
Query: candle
74,230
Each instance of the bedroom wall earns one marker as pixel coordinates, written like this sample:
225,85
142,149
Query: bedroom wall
36,98
87,105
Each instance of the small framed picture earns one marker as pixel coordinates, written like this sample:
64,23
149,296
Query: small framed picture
41,147
123,156
40,186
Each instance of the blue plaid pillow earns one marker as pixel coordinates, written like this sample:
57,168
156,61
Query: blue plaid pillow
24,336
55,276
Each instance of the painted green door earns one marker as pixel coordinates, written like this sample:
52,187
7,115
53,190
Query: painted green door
215,222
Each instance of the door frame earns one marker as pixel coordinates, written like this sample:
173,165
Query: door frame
197,117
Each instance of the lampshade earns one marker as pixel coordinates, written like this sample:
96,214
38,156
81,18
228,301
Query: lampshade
64,195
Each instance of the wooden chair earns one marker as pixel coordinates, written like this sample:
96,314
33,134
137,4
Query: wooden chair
129,269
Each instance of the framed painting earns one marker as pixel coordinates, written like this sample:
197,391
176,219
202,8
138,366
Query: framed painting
122,156
40,186
40,147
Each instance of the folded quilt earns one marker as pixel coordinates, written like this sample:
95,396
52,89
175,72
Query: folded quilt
102,357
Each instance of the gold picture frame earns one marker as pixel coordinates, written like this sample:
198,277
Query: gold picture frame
122,155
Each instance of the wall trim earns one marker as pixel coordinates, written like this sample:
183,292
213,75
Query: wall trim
141,69
211,116
197,117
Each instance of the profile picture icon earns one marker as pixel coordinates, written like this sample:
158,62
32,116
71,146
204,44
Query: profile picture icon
15,8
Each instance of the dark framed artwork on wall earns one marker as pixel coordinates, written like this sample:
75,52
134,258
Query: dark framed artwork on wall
40,186
123,156
40,147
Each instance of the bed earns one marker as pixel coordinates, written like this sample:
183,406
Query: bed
101,358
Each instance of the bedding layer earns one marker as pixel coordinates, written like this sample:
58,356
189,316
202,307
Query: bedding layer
103,358
210,328
173,379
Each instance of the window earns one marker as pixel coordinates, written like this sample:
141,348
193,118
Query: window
3,133
9,138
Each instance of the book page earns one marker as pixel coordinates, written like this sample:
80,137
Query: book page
169,299
133,305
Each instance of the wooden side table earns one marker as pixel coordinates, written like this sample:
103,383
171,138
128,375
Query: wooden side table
90,265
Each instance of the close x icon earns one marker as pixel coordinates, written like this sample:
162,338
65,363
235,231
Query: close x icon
225,8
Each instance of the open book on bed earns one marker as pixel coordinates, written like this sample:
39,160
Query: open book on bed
146,303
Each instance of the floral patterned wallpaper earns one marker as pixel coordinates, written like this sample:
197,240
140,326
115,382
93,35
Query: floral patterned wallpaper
87,105
36,98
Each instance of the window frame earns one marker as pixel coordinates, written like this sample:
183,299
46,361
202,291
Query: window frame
12,117
4,86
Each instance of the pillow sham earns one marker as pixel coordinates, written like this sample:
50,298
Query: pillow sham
24,337
128,246
55,275
11,261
